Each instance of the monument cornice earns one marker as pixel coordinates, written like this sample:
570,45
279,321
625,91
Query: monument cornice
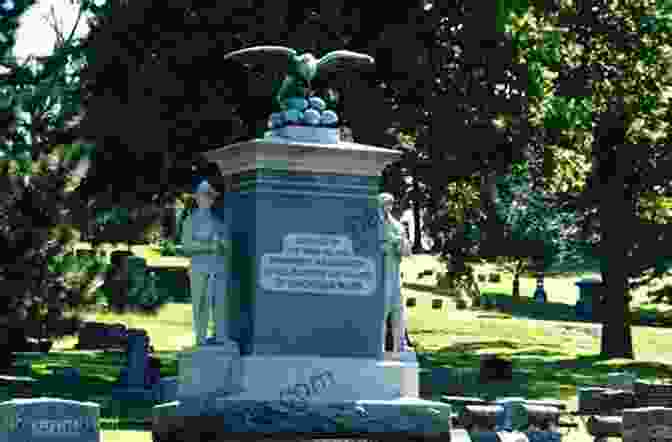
284,154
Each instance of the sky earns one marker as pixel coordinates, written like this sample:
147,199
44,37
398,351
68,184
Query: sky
35,36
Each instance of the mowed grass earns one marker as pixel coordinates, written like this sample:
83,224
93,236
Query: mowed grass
550,358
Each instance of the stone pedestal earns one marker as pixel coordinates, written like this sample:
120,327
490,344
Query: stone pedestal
306,298
209,369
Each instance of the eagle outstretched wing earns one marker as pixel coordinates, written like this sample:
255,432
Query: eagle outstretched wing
278,58
338,61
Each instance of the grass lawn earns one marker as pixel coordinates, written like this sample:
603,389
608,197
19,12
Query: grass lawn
551,356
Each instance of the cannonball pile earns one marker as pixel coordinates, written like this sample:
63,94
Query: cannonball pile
305,112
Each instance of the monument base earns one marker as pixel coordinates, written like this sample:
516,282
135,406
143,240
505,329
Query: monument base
208,369
410,416
279,394
216,370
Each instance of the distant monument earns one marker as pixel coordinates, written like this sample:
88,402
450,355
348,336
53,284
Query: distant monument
306,290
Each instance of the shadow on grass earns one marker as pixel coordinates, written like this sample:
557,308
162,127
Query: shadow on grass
99,372
537,373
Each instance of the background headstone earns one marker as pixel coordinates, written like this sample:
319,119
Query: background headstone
136,357
648,394
49,419
513,416
589,399
482,418
70,376
647,424
495,368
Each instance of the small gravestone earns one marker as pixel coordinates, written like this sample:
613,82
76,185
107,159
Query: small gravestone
425,273
92,336
601,427
509,436
133,380
589,399
460,304
486,302
614,401
460,402
647,424
540,295
410,302
49,419
436,304
168,389
459,435
495,368
441,378
69,376
482,418
512,418
652,395
117,335
588,298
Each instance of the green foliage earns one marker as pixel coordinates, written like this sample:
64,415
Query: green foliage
622,66
168,247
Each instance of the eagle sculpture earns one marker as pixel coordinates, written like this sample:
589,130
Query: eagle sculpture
300,69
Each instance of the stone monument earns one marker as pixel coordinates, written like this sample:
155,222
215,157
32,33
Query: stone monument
305,292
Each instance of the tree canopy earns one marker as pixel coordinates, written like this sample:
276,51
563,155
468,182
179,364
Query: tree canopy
600,82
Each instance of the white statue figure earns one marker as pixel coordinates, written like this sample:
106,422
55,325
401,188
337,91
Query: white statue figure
395,245
205,239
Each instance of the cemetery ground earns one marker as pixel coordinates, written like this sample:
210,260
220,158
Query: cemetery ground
552,352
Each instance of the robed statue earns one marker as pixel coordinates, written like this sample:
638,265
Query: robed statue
395,245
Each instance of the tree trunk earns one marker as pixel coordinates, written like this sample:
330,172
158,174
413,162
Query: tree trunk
417,231
616,330
515,294
614,309
489,237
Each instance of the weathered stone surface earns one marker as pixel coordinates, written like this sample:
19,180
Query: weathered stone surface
511,436
647,424
560,405
544,436
482,417
614,401
460,402
542,417
276,417
589,399
605,426
49,419
652,395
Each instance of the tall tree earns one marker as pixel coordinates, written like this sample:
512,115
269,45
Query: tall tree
41,164
601,71
436,79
